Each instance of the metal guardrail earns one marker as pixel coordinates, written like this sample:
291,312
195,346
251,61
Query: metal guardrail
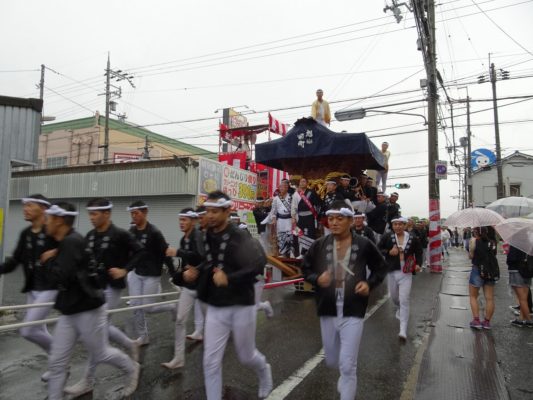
4,328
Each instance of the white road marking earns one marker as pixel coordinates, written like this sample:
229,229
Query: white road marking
288,385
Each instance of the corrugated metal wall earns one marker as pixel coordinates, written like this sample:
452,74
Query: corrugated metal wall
131,182
163,213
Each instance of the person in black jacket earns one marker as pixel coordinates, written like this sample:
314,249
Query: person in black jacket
226,284
81,304
336,266
521,286
145,278
362,229
32,242
403,254
393,209
115,252
331,196
377,218
192,254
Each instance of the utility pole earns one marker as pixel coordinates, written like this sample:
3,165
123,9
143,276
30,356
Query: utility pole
499,167
118,75
469,153
146,149
107,105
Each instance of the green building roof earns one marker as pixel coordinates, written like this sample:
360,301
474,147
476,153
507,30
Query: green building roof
129,129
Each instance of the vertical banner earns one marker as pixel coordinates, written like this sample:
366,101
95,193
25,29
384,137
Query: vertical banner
435,251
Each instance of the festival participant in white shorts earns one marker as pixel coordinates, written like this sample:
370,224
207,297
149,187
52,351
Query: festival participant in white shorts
115,252
403,254
32,242
192,253
336,266
226,284
81,303
145,278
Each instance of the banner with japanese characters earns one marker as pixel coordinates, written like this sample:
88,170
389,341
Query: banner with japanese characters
239,184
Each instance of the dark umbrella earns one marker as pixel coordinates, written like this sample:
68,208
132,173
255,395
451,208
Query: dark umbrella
312,150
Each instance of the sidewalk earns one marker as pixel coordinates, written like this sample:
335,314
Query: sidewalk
462,363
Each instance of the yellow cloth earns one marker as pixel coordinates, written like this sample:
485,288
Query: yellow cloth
315,107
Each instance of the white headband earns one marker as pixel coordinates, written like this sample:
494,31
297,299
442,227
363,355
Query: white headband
234,217
331,182
189,214
57,211
100,208
220,203
130,209
359,215
32,200
346,212
400,219
201,213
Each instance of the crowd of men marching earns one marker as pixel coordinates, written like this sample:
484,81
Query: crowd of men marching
219,269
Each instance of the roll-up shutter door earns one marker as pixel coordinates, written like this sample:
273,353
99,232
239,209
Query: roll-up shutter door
164,212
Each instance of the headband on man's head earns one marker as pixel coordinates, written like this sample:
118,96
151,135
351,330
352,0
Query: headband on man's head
219,203
331,181
143,207
189,214
344,211
26,200
100,208
57,211
400,219
362,215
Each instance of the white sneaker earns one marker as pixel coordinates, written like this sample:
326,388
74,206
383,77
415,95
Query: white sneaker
196,336
83,386
143,340
174,364
267,308
265,382
133,381
46,376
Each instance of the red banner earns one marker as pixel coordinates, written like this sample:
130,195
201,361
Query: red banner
435,251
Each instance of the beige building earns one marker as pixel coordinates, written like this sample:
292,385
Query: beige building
80,141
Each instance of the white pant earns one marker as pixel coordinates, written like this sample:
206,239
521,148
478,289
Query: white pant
199,316
139,285
381,177
341,337
399,285
91,328
38,334
220,322
112,296
186,302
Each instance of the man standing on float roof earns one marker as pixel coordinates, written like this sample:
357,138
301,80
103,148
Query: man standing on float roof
336,265
226,284
320,109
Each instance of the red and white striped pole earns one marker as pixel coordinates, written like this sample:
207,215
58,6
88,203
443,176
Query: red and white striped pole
435,252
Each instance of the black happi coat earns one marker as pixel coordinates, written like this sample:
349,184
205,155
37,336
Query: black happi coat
363,253
412,247
366,232
243,259
377,218
29,248
70,270
114,248
155,246
191,252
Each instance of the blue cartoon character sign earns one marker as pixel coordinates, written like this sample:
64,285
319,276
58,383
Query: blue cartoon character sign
482,158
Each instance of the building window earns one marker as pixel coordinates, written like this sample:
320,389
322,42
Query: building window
56,162
514,189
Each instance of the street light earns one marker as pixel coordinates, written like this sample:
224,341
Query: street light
360,113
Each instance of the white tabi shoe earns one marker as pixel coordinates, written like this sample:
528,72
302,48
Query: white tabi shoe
173,364
133,381
265,382
196,336
83,386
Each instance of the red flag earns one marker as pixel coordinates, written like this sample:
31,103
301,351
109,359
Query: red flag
276,126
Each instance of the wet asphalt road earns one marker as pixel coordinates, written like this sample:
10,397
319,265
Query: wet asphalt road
387,369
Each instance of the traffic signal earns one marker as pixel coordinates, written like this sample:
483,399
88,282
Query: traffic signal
402,186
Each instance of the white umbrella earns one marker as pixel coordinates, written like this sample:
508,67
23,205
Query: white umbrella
518,232
473,217
511,207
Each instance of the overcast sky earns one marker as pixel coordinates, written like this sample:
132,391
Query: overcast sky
191,58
